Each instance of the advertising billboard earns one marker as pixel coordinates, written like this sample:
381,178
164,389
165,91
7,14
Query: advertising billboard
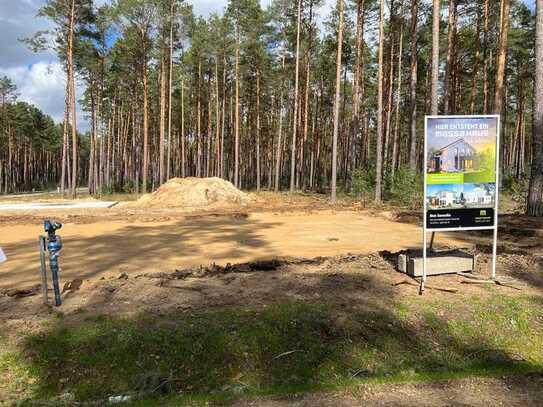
461,157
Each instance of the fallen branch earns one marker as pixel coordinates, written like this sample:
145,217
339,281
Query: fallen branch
286,353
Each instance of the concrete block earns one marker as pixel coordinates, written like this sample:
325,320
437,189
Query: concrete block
402,263
441,263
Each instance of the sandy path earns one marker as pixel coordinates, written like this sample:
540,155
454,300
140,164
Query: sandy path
113,247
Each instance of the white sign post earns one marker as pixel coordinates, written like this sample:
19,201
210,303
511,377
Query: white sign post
461,177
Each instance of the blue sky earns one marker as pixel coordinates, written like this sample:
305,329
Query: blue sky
39,77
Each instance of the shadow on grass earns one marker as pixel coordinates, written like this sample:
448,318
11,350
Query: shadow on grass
282,348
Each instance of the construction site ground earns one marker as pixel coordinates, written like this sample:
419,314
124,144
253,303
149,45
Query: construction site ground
298,300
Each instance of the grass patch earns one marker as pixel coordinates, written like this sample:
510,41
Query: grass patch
281,349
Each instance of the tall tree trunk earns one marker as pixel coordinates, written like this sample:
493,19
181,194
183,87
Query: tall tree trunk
65,135
72,96
337,101
475,73
500,70
91,181
396,136
535,193
295,112
236,130
502,57
169,152
209,123
257,130
379,152
451,38
389,93
358,80
145,117
279,136
161,172
182,135
486,57
413,87
199,123
223,126
218,144
435,57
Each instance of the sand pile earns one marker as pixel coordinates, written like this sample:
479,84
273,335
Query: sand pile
194,193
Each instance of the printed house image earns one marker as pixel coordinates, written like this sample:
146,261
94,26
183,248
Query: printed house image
479,196
455,157
444,198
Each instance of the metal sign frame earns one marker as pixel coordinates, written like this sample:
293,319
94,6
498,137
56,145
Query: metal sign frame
425,229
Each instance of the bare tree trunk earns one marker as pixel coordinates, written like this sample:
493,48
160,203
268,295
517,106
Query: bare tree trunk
218,145
450,49
535,193
279,136
145,119
169,153
502,56
358,81
389,94
257,130
379,152
65,135
435,57
199,123
485,56
236,130
500,70
161,172
182,135
223,114
295,112
337,101
91,182
413,86
208,133
475,73
396,139
72,97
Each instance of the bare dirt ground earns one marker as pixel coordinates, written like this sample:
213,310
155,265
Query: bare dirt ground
503,391
278,248
102,245
111,242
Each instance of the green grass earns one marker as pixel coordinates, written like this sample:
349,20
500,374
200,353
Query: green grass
281,349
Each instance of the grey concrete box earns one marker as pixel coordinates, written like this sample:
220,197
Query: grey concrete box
436,263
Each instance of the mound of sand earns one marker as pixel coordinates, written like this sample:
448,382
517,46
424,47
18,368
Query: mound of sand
194,193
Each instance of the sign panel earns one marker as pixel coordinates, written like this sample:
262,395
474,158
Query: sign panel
461,156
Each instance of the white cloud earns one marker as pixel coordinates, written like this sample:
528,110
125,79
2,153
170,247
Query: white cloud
44,85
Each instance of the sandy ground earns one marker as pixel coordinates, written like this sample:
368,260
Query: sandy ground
131,246
68,205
